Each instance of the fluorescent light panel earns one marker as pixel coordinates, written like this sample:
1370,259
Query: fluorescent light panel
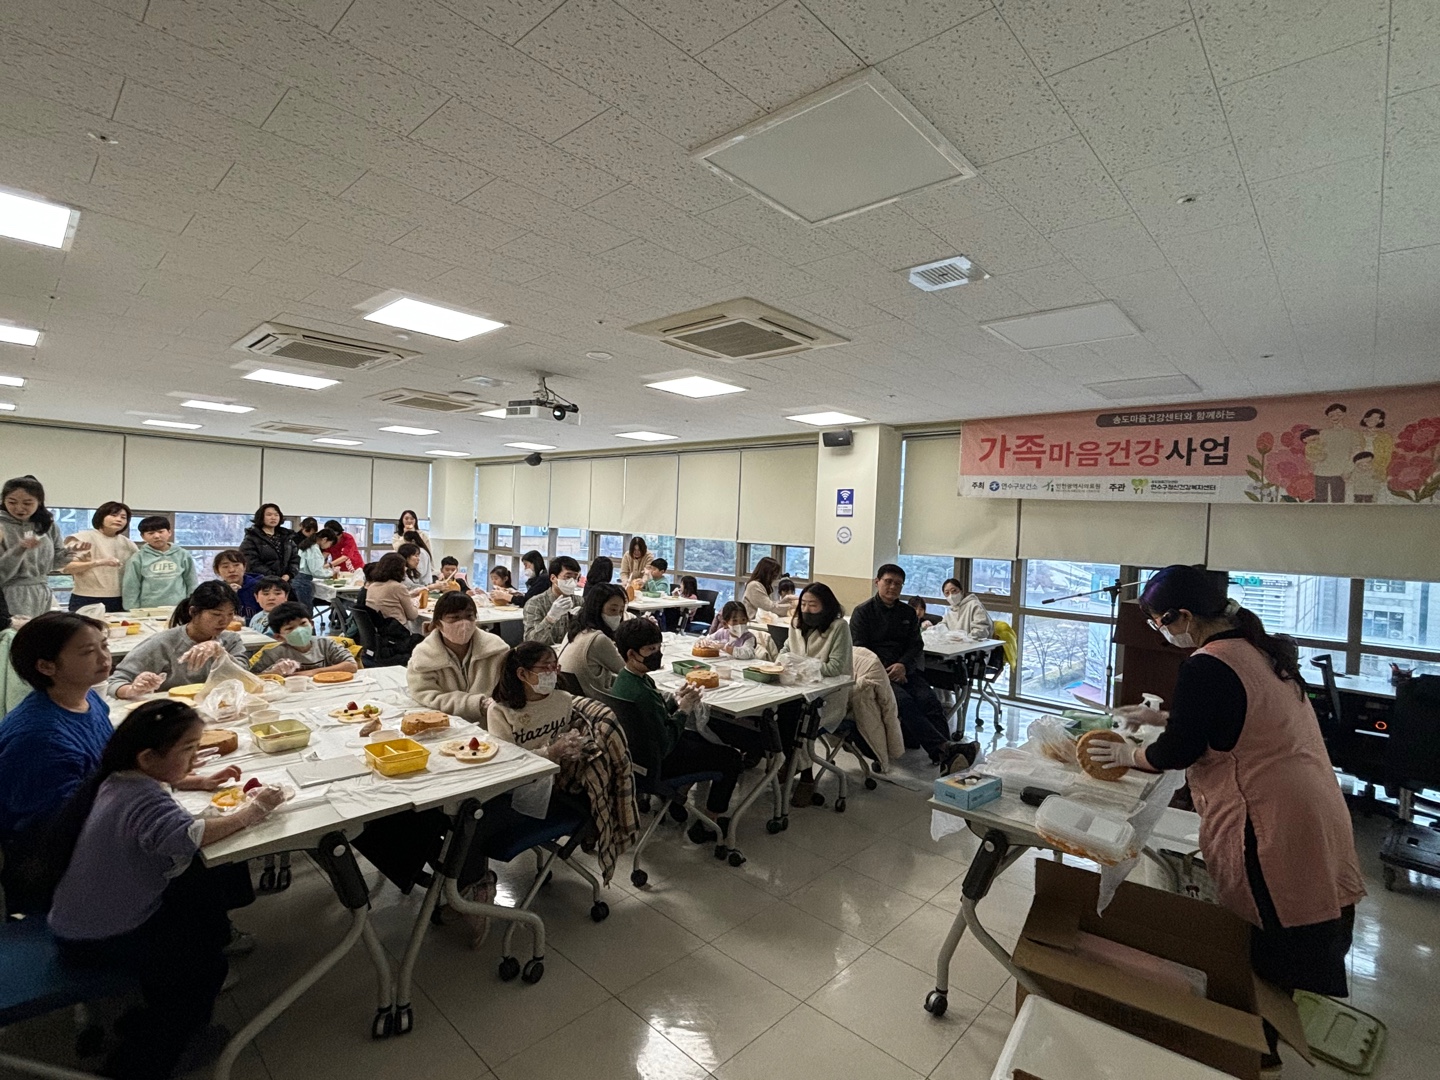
290,378
216,406
401,429
338,442
646,436
7,406
34,220
826,419
172,424
11,380
530,445
18,335
447,453
432,319
695,386
498,414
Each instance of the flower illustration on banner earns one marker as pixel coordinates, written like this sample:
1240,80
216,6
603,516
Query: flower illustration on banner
1292,473
1287,477
1414,472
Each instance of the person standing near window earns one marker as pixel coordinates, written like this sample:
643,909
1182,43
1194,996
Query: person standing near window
97,572
408,523
756,596
269,547
30,547
637,558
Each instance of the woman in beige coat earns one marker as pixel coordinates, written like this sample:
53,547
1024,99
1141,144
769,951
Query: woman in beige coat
456,667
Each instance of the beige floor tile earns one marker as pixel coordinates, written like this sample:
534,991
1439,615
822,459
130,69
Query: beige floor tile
780,867
974,1056
857,904
881,999
707,900
792,949
918,939
1004,998
609,1041
957,847
807,1045
635,941
829,835
708,1005
921,872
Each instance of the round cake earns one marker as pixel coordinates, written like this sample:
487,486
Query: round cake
703,678
223,740
1082,755
705,650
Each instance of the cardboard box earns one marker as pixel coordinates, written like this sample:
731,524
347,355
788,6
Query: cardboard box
967,790
1222,1030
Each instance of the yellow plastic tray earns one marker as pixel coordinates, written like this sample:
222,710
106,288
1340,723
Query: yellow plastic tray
279,736
396,757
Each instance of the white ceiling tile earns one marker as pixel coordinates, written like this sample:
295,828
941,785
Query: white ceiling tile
1212,177
122,201
633,211
1323,228
321,14
781,56
877,29
135,9
1060,36
986,300
1234,250
766,277
222,220
756,223
294,52
190,255
695,25
509,20
1054,286
1311,113
1057,185
1412,162
838,308
386,196
1250,37
1109,248
35,163
859,272
891,237
438,46
254,186
66,79
1414,45
1001,241
615,56
662,264
962,199
1250,317
1146,103
977,86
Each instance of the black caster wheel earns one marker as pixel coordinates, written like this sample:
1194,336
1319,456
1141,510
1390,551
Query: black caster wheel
638,878
282,879
383,1026
509,968
936,1002
772,826
736,859
534,971
90,1041
1387,875
816,799
871,783
839,806
599,911
267,880
677,812
404,1020
721,851
784,822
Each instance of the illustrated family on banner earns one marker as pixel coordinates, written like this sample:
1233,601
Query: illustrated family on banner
1367,447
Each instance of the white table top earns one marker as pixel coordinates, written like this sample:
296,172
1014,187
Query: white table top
1357,684
327,590
122,646
942,645
489,616
663,603
737,695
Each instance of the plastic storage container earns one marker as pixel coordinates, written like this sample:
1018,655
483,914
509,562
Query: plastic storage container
278,736
684,667
755,674
396,757
1087,831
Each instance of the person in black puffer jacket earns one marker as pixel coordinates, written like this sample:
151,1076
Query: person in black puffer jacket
269,548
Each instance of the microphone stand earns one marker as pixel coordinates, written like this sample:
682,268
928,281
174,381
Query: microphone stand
1113,591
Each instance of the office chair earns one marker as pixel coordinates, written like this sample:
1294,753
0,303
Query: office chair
1412,765
704,616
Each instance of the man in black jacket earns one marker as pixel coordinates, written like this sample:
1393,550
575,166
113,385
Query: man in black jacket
891,630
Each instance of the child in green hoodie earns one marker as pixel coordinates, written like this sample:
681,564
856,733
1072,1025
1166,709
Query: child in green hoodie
161,572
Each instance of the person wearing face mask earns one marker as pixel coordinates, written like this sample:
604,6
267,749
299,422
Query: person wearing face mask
547,614
589,653
819,632
733,636
965,613
1274,830
299,648
456,667
537,578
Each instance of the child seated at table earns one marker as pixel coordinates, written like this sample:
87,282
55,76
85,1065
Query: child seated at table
270,593
922,613
299,649
229,567
688,589
450,571
133,897
732,634
185,653
654,583
161,572
502,588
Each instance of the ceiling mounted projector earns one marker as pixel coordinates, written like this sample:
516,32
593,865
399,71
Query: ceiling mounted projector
545,403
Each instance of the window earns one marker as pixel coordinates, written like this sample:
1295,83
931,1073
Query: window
1385,585
754,553
1297,604
925,573
1050,579
1403,613
482,536
991,576
660,547
1383,626
723,587
611,545
797,563
709,556
502,538
573,542
1059,656
72,519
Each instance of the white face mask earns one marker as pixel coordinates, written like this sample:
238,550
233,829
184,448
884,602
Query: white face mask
956,599
1180,641
614,621
566,586
545,683
739,628
457,632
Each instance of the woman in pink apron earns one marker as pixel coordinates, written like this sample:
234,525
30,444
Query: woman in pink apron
1274,828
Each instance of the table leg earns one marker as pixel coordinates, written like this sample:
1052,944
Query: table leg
775,759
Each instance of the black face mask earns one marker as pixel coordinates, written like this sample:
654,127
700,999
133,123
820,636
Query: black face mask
653,661
812,620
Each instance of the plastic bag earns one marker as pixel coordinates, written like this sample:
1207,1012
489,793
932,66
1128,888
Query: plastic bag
225,669
1052,738
223,702
699,721
799,670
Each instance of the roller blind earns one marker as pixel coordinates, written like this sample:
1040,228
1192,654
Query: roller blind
191,475
607,494
314,484
1333,541
570,494
495,503
77,468
532,494
777,496
708,498
650,484
397,486
935,520
1143,534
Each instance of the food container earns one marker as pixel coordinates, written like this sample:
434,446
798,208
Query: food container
278,736
396,757
1091,833
684,667
297,683
757,674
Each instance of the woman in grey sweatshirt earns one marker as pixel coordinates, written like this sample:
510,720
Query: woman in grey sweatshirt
30,547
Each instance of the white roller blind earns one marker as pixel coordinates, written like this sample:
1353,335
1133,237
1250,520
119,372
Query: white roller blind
495,503
650,485
607,494
76,468
1144,534
708,498
397,486
777,496
1333,541
570,494
532,494
316,485
191,475
935,520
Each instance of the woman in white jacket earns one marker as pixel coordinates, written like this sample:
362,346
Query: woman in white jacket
456,667
818,631
966,613
589,652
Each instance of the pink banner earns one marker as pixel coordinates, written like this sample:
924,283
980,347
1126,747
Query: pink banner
1354,446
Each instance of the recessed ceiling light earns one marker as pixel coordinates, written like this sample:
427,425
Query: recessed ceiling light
696,386
598,356
18,335
36,221
216,406
290,378
8,406
645,436
530,445
338,442
401,429
172,424
825,419
447,453
11,380
432,319
498,414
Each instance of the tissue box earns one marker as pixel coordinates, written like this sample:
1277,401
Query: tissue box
967,790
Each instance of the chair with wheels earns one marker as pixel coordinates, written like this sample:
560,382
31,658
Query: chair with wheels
843,736
983,676
1412,765
704,616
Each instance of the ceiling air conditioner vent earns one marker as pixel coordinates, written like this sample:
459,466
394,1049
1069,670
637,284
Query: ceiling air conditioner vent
946,274
326,350
740,329
280,427
428,402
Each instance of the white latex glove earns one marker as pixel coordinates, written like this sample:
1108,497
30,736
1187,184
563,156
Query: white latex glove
687,697
562,607
145,682
285,667
29,541
202,654
1134,716
261,803
1112,753
565,747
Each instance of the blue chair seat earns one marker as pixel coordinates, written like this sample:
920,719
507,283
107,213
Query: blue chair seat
667,786
545,831
35,981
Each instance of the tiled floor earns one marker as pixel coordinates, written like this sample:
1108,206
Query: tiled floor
810,961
